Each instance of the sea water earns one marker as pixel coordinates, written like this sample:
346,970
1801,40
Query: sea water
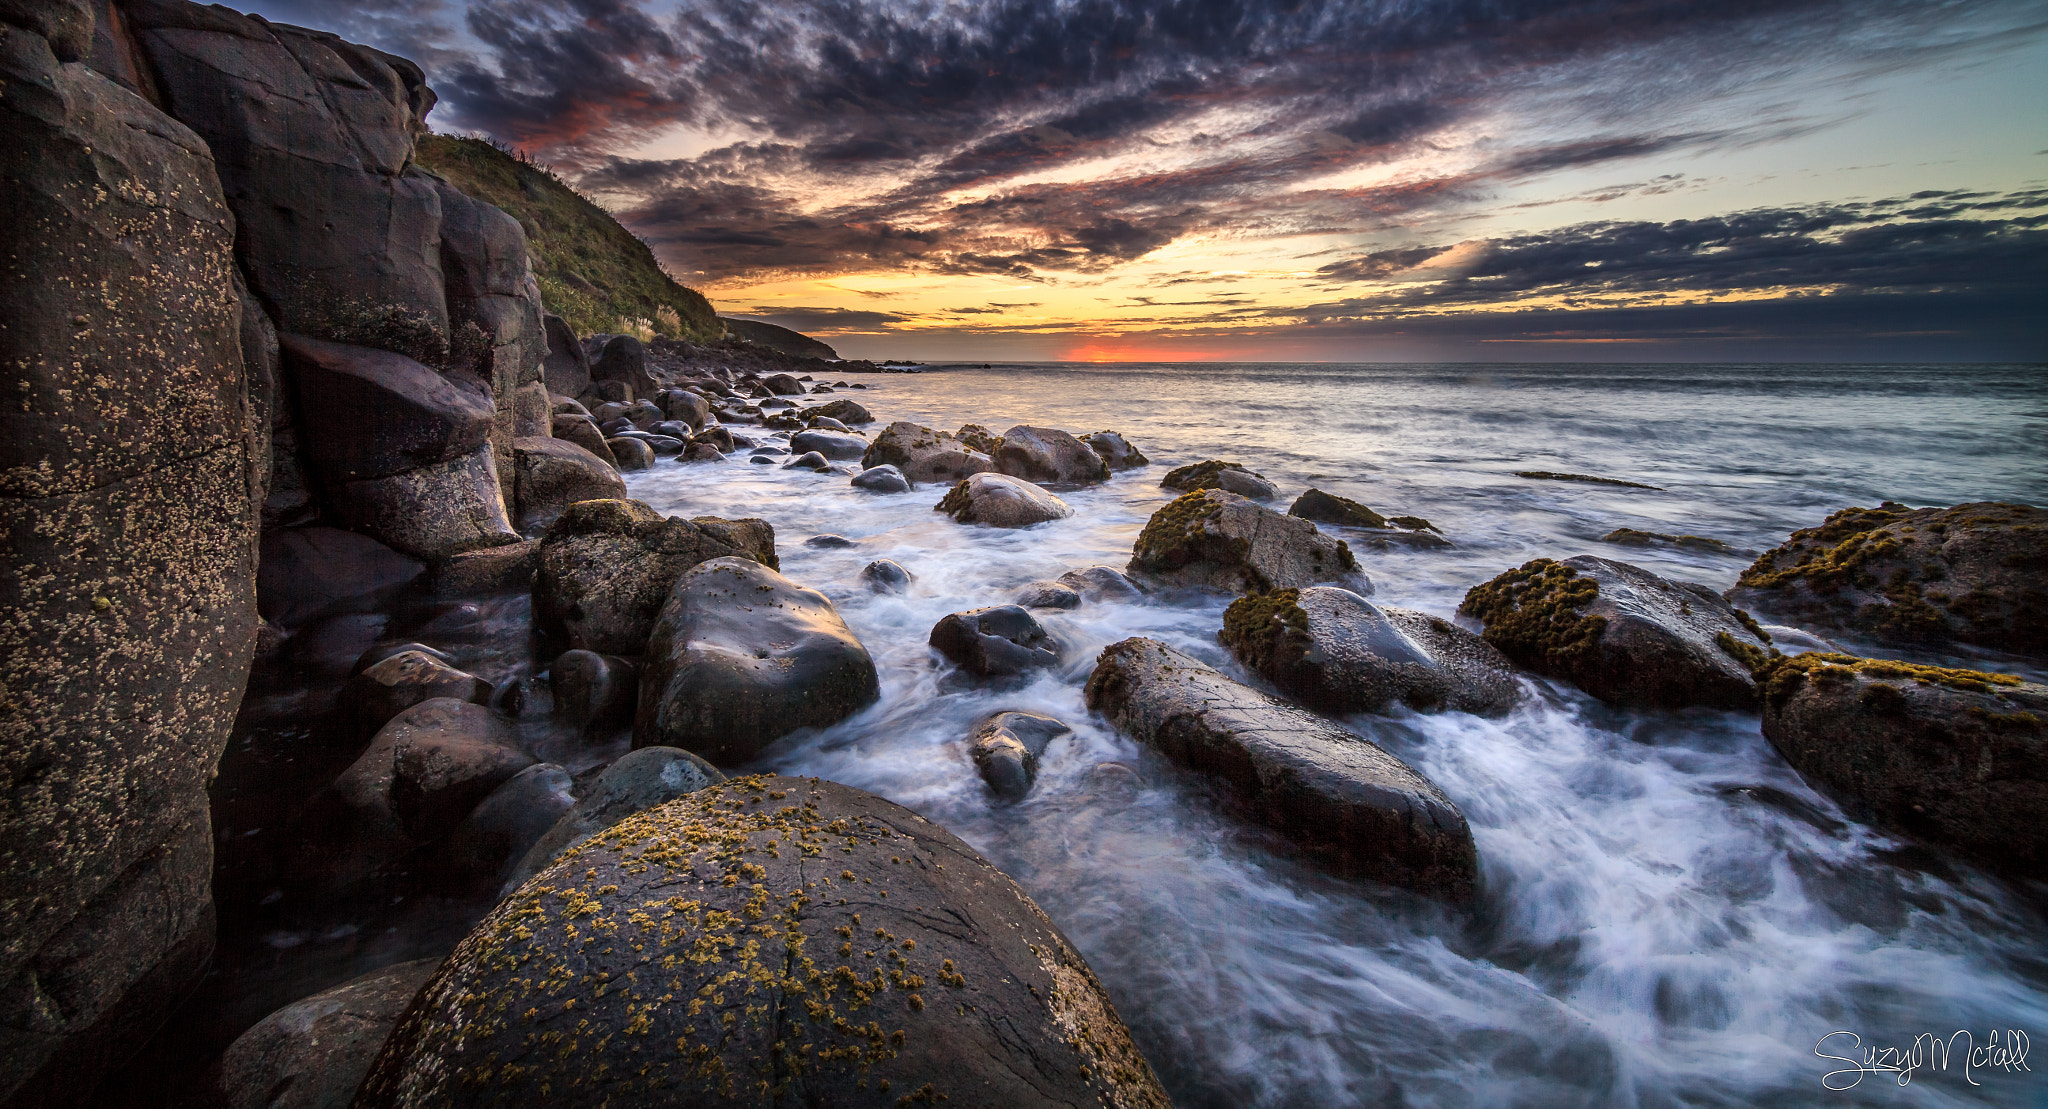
1670,916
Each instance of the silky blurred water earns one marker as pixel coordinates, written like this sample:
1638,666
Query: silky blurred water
1670,916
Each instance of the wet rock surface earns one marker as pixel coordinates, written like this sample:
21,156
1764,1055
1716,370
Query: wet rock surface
638,781
1220,540
313,1053
606,568
1335,651
1346,801
1002,501
896,963
404,679
925,455
1006,747
551,474
1227,476
1115,451
1048,456
1976,573
1955,758
882,479
1621,633
885,576
995,642
742,656
838,446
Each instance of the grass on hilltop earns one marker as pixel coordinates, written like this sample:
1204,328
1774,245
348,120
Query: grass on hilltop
592,272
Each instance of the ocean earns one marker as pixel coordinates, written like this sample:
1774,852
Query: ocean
1670,915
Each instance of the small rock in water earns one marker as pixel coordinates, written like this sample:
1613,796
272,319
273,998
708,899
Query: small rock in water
839,446
313,1053
1048,594
996,641
1338,652
1220,540
631,454
829,541
762,459
638,781
1102,583
1227,476
884,576
716,437
405,679
1115,783
1329,508
809,460
1115,451
1549,475
1001,501
1006,747
505,825
843,411
701,452
1630,537
882,479
826,423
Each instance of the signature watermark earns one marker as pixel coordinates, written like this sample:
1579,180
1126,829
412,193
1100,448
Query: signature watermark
2001,1050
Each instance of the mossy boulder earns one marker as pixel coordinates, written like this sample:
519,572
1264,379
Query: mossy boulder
1956,758
1047,456
1227,476
1338,652
1343,799
1621,633
606,568
924,454
1220,540
845,411
1330,508
742,656
1001,501
768,940
1976,573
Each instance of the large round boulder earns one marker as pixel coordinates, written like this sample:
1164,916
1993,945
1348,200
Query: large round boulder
684,406
1975,573
924,454
783,385
313,1053
581,430
1621,633
437,510
1343,799
624,359
839,446
1048,456
1330,508
1002,501
1957,758
996,641
769,940
845,411
742,656
1336,651
551,474
882,479
606,568
1220,540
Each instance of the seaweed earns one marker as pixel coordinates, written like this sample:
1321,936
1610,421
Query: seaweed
1532,615
1267,631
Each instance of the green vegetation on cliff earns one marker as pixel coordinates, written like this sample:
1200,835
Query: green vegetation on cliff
592,272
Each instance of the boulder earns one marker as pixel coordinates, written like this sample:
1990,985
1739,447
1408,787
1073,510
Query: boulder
700,452
1220,540
1006,747
825,423
1630,537
353,828
367,413
624,359
925,455
809,460
716,437
606,568
884,576
307,573
404,679
594,693
1227,476
1976,573
631,454
882,479
743,656
845,411
566,368
434,511
1102,583
839,446
378,652
1048,456
1002,501
996,641
608,414
638,781
1048,594
954,986
493,570
1955,758
1359,809
979,438
313,1053
582,431
1116,452
1621,633
830,542
1328,508
552,474
643,414
686,407
439,776
505,825
1335,651
783,385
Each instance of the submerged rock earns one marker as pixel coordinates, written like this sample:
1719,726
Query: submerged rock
742,656
1328,508
1047,456
1621,633
1956,758
1630,537
994,642
884,576
904,969
1221,540
839,446
845,411
606,568
1336,651
1002,501
1116,452
1343,799
1006,747
925,455
830,542
306,573
1976,573
313,1053
1048,594
1227,476
1102,583
639,781
594,692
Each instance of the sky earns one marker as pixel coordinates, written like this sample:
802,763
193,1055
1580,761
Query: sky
1374,180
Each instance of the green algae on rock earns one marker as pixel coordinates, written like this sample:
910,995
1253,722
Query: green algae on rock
1338,652
764,941
1218,539
1975,573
